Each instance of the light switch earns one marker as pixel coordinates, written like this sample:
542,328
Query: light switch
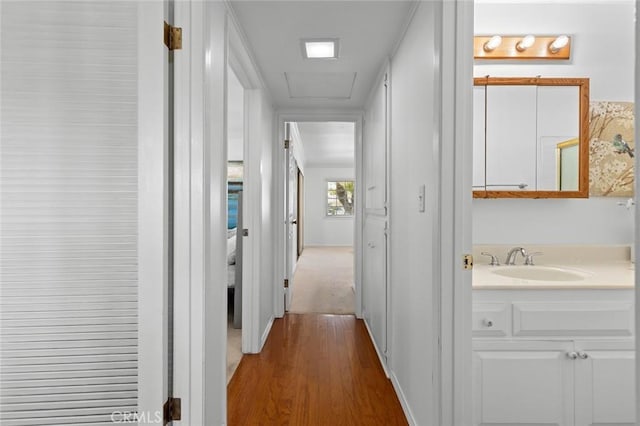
421,201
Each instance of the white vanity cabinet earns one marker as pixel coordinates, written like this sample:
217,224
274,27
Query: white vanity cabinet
605,383
523,383
554,358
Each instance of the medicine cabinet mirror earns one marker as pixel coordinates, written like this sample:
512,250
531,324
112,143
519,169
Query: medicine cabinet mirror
530,137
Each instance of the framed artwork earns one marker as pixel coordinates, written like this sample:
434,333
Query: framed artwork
611,149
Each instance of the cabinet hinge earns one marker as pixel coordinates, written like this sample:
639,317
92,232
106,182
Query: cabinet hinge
172,37
467,262
287,143
286,283
172,410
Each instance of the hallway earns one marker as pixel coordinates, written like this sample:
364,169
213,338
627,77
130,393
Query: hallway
314,370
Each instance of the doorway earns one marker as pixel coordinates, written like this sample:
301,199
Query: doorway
559,233
235,203
320,199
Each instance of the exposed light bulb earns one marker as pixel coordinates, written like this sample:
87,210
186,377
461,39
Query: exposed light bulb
493,42
526,42
558,43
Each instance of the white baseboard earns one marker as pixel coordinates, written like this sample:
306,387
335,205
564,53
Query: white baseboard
382,359
265,335
394,381
403,400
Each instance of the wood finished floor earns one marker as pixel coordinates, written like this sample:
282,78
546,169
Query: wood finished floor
314,369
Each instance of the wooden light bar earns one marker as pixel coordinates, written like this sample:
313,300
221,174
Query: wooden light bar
540,49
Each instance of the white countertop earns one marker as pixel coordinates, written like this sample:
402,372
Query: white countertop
605,267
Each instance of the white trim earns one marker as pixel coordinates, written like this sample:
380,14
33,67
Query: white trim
380,356
265,335
637,214
200,213
403,400
283,116
455,36
153,195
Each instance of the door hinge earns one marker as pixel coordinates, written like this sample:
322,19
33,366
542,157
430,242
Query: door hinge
467,262
287,143
172,37
172,410
286,283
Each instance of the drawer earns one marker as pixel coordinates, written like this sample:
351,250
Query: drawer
573,319
490,319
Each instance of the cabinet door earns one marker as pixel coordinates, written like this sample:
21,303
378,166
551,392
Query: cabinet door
523,383
374,288
605,383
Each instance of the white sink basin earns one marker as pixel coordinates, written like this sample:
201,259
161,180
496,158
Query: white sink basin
540,273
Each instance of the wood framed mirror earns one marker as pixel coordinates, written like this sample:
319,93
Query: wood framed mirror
530,137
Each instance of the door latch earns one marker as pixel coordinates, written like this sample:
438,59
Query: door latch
467,262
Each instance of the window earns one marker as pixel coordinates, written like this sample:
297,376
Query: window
340,197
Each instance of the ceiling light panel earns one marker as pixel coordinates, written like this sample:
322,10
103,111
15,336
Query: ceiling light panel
320,48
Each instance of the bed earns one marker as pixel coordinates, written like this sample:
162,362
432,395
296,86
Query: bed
234,251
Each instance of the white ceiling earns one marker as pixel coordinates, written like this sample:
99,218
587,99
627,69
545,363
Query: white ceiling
367,30
328,144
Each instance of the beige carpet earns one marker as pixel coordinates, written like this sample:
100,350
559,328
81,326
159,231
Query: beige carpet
323,282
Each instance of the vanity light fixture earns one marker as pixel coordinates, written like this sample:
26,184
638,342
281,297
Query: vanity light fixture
493,42
557,44
315,48
526,46
526,42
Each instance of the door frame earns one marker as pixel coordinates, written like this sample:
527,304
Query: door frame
290,211
240,63
637,216
300,214
454,36
153,210
280,173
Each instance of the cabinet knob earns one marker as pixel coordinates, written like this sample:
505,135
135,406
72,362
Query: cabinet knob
572,355
488,323
583,355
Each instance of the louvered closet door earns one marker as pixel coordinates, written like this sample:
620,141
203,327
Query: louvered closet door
68,187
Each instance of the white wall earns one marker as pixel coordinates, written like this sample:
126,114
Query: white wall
413,159
235,117
321,230
602,50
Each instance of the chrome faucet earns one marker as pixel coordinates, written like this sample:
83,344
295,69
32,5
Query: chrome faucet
511,256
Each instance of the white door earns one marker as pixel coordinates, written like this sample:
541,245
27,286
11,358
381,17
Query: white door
82,271
523,383
291,220
605,383
374,253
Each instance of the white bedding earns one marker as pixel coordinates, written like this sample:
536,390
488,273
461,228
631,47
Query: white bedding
231,257
231,273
